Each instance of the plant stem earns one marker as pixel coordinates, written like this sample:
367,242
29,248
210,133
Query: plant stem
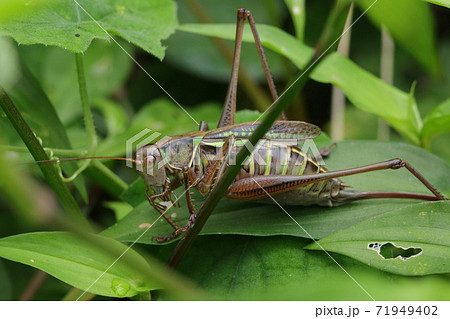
55,151
109,181
387,75
337,96
33,286
87,114
50,172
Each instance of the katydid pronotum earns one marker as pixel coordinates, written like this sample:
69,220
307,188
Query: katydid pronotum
276,170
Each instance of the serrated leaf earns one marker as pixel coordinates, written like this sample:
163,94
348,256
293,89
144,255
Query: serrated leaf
73,25
423,228
414,31
79,263
252,218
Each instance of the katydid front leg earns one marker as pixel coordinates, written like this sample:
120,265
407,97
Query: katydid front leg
213,171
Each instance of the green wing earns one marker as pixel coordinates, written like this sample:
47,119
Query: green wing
280,130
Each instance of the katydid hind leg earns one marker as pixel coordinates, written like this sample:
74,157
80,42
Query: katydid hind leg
229,109
258,186
203,127
228,114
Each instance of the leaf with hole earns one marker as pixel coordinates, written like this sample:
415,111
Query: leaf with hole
419,233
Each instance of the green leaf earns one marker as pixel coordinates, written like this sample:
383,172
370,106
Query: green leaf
423,228
271,37
438,121
121,209
444,3
298,15
278,268
414,31
79,263
199,55
372,95
267,220
363,89
69,24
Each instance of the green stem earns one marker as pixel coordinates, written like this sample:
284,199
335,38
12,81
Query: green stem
87,114
50,172
109,181
325,46
55,151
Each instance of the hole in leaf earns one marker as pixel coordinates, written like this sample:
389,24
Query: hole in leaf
391,251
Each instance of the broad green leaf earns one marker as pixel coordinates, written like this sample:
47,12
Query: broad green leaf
271,37
444,3
422,228
40,115
438,121
79,263
370,94
252,218
278,268
414,31
73,25
364,90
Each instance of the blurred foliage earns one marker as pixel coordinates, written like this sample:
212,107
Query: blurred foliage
248,251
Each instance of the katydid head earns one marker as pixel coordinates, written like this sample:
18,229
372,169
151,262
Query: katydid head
150,164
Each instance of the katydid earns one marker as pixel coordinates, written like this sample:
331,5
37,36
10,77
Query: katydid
276,170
